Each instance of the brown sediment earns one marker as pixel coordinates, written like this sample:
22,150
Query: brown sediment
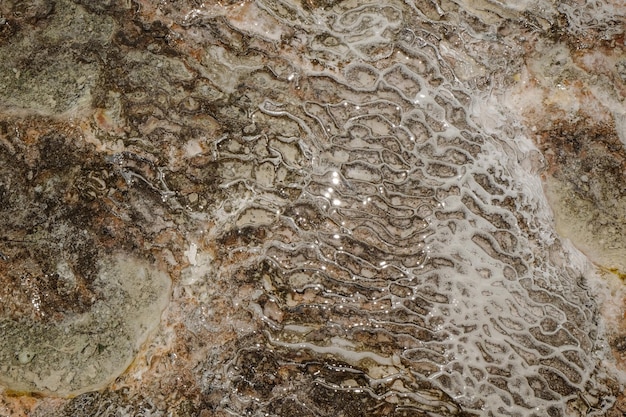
584,178
68,214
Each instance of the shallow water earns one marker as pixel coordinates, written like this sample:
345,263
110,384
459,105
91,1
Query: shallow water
347,197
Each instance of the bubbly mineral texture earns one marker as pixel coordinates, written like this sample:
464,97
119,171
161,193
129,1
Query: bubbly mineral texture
347,196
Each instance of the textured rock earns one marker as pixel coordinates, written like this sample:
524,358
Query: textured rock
347,198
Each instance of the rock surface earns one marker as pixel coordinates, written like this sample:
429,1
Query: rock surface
315,208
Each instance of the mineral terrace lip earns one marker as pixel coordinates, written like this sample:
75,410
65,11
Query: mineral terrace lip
311,208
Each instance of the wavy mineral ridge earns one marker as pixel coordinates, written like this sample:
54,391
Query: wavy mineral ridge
312,208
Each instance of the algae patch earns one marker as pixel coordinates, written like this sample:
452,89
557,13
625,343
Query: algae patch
86,351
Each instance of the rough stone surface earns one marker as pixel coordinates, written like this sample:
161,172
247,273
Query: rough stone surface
312,208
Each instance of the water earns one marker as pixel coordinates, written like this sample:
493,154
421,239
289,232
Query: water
416,250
